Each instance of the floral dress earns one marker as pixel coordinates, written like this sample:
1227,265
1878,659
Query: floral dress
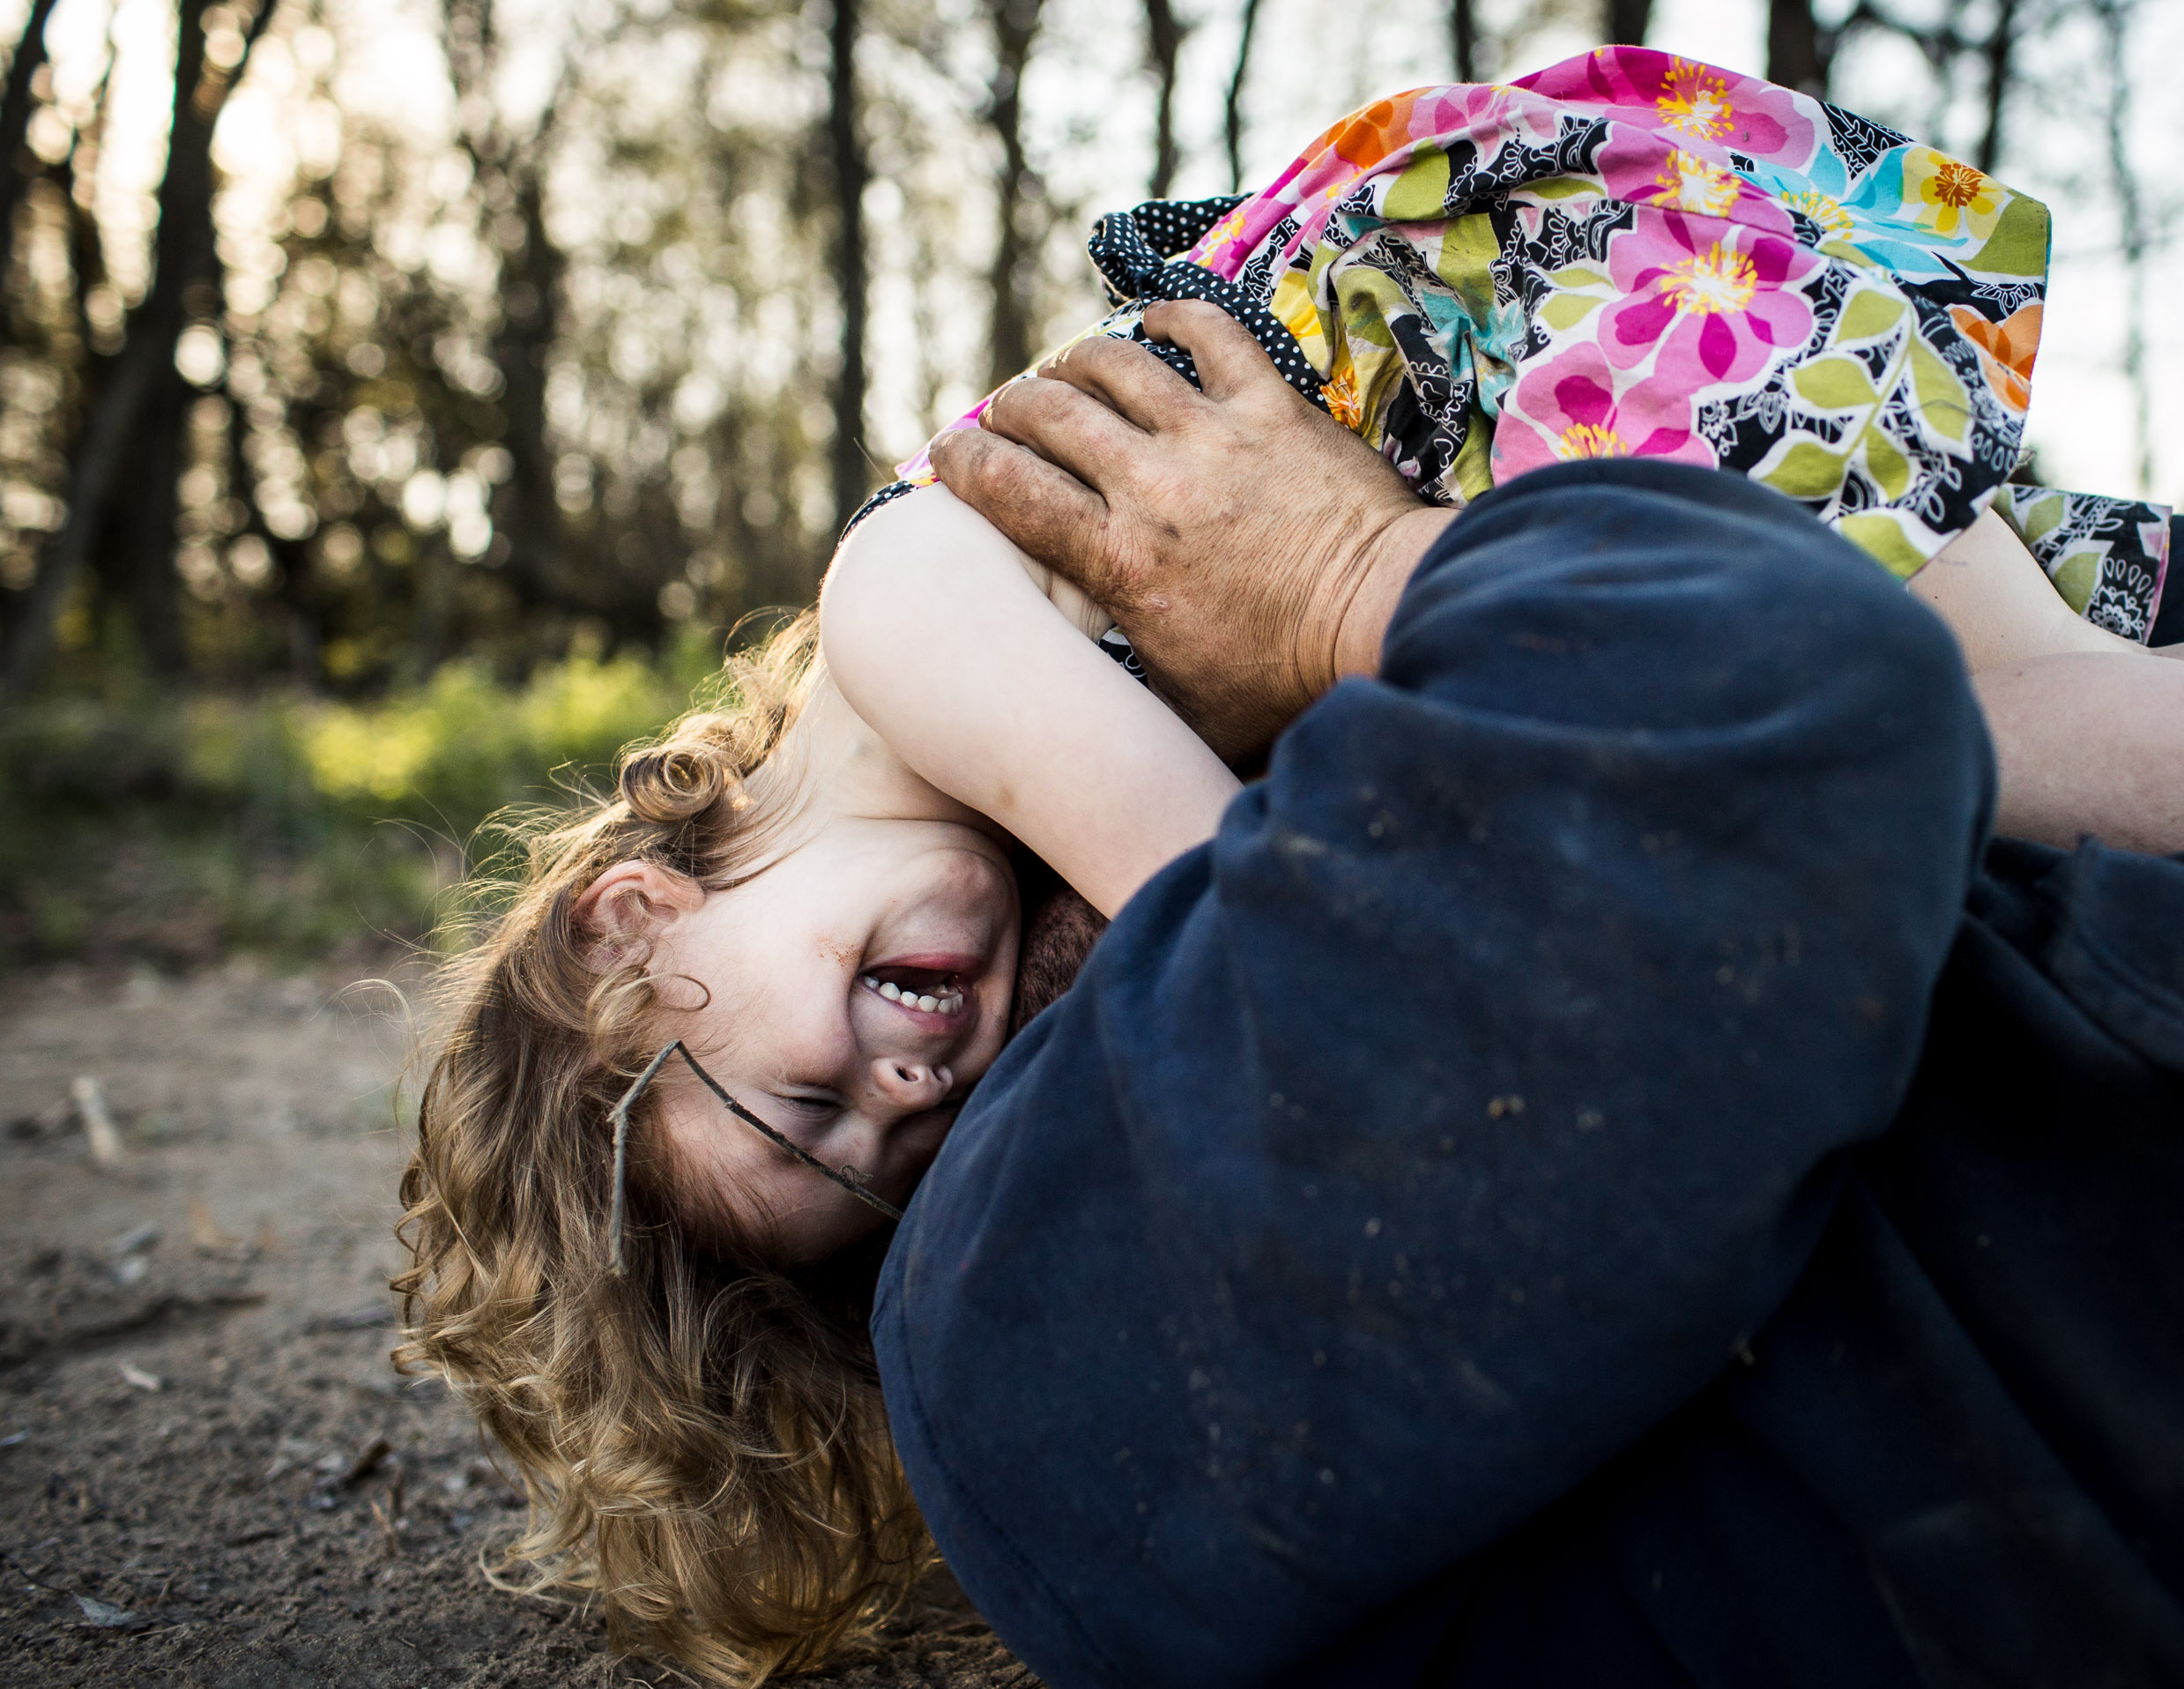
1630,254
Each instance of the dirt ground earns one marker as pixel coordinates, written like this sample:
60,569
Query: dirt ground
209,1472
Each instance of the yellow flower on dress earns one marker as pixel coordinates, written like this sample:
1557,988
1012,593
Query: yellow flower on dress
1713,280
1295,308
1828,212
1221,234
1690,184
1345,404
1695,102
1952,199
1584,440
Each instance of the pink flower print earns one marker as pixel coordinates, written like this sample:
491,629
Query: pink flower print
1717,299
1219,248
1698,105
1688,183
1708,105
1568,408
1694,102
1648,169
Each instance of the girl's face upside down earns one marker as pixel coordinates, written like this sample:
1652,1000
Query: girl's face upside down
848,994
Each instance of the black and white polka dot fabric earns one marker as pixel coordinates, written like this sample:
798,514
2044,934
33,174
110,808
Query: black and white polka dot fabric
1134,252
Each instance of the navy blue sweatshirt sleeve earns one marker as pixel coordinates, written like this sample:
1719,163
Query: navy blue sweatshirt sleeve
1410,1149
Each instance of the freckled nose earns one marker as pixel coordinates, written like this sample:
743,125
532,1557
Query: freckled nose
911,1084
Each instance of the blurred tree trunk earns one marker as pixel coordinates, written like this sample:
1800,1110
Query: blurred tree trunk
2000,46
540,567
137,562
15,111
1015,23
526,509
87,248
852,472
186,289
95,473
1800,54
1463,39
1163,42
135,421
1626,21
1233,114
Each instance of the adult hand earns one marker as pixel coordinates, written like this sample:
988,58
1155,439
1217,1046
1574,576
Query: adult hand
1251,547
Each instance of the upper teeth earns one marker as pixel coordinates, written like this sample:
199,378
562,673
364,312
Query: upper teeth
949,999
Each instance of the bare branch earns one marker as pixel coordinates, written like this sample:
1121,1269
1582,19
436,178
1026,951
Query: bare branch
1163,42
1015,25
852,473
1233,113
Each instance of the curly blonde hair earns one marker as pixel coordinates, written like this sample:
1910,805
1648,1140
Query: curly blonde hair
701,1439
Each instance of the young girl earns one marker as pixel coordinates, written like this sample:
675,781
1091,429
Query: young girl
814,889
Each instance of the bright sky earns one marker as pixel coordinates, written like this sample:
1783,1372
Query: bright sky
1091,125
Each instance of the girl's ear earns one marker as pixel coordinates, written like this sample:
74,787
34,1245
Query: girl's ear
627,910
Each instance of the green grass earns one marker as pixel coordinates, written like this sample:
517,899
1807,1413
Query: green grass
143,826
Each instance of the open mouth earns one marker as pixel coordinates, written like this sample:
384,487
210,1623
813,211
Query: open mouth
930,991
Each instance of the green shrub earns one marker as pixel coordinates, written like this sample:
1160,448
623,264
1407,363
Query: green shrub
176,829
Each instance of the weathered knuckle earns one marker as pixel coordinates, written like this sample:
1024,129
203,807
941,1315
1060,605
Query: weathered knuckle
956,461
1015,402
1001,475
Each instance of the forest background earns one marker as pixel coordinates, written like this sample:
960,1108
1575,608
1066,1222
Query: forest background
403,402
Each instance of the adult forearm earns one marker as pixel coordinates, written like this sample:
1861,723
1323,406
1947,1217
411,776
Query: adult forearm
2089,742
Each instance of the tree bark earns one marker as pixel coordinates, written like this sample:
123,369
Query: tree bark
1626,21
1232,126
852,472
1163,42
15,113
1463,39
1015,23
1800,54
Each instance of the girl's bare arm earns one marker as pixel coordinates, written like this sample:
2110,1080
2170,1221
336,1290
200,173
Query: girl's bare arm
938,632
2088,728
